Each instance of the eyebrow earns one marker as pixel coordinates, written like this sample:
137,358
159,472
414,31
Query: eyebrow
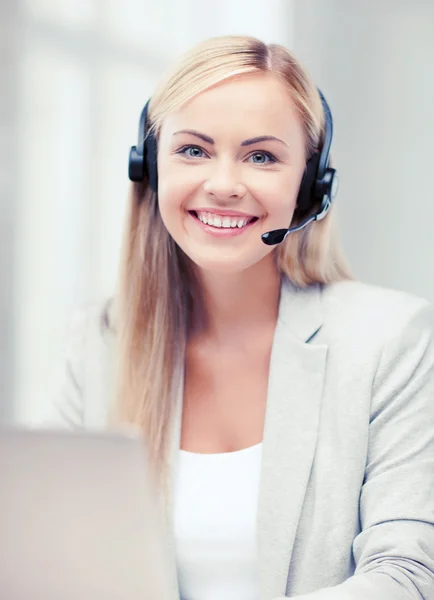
249,142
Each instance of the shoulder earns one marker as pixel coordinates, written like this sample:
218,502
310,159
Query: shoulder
91,332
93,322
79,399
356,295
370,303
370,310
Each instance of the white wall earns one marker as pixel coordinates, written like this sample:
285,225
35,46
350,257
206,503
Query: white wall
375,61
85,69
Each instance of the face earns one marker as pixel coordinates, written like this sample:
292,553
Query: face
230,163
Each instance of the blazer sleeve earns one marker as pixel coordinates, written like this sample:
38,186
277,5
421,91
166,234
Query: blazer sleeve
394,553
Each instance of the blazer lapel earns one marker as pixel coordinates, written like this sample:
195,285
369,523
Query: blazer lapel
290,434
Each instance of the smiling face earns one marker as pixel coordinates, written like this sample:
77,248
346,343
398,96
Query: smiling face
230,162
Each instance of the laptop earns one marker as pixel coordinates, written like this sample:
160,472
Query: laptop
78,519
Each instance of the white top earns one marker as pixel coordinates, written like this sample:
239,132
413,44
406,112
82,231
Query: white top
216,498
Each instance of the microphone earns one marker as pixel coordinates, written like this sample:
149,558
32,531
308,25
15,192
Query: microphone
271,238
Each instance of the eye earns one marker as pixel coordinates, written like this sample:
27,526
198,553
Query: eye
262,158
191,152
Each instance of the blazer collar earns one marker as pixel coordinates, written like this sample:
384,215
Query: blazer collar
300,310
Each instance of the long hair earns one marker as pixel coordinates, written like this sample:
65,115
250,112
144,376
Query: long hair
157,288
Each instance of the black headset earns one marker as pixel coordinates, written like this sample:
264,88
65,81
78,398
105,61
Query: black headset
319,184
143,157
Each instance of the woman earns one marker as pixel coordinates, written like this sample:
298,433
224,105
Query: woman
288,410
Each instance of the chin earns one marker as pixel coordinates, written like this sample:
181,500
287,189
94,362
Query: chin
229,265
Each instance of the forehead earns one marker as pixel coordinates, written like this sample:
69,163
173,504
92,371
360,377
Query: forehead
254,104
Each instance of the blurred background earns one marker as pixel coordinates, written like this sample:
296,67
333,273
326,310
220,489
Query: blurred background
74,76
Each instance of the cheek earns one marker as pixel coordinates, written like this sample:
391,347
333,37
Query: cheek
277,193
170,202
175,189
176,183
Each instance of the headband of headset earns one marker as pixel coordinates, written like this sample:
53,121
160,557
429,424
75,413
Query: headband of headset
318,181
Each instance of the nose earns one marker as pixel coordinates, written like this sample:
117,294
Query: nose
223,182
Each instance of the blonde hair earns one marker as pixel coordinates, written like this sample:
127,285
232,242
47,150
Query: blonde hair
157,292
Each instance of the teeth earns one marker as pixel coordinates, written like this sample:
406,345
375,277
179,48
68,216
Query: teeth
222,222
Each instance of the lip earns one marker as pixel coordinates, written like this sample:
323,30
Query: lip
223,213
221,232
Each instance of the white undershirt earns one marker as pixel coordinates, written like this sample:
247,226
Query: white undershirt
216,498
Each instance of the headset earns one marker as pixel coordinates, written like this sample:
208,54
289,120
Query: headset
143,157
319,184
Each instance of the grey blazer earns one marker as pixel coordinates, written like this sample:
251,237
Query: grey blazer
346,509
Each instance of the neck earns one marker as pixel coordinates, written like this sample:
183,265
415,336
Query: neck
237,303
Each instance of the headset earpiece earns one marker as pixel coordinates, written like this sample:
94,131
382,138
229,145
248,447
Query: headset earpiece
304,200
143,157
319,180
